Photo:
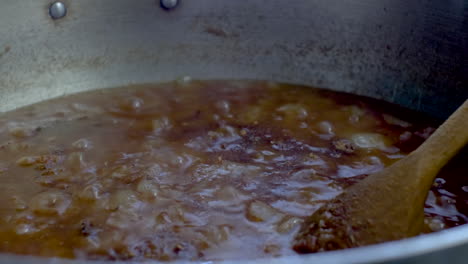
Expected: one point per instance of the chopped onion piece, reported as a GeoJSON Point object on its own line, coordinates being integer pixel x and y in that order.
{"type": "Point", "coordinates": [369, 141]}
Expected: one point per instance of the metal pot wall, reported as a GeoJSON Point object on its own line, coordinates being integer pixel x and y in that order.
{"type": "Point", "coordinates": [413, 53]}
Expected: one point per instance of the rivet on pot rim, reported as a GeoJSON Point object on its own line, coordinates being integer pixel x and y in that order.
{"type": "Point", "coordinates": [57, 10]}
{"type": "Point", "coordinates": [169, 4]}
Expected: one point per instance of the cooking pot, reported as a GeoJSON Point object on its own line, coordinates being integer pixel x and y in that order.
{"type": "Point", "coordinates": [413, 53]}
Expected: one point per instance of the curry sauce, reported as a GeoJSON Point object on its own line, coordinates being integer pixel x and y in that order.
{"type": "Point", "coordinates": [200, 170]}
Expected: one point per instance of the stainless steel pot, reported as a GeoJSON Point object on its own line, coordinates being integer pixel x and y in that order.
{"type": "Point", "coordinates": [409, 52]}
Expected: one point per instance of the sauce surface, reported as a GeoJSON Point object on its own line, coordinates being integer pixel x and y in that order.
{"type": "Point", "coordinates": [201, 170]}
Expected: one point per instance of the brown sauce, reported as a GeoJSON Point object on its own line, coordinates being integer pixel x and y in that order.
{"type": "Point", "coordinates": [201, 170]}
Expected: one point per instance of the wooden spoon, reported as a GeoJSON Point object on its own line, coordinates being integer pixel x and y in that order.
{"type": "Point", "coordinates": [387, 205]}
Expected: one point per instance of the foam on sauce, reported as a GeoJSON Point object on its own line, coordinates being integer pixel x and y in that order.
{"type": "Point", "coordinates": [202, 170]}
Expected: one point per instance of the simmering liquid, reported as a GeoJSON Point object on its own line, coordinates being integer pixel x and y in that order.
{"type": "Point", "coordinates": [199, 170]}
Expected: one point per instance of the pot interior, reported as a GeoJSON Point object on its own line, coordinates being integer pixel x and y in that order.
{"type": "Point", "coordinates": [407, 52]}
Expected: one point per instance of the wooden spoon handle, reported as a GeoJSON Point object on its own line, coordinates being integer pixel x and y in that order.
{"type": "Point", "coordinates": [446, 141]}
{"type": "Point", "coordinates": [387, 205]}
